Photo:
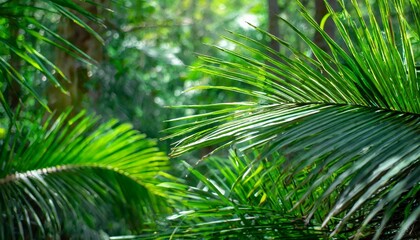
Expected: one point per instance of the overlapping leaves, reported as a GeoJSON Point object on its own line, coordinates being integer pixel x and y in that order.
{"type": "Point", "coordinates": [74, 177]}
{"type": "Point", "coordinates": [233, 201]}
{"type": "Point", "coordinates": [348, 117]}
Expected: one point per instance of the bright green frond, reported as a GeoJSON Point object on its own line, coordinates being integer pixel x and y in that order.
{"type": "Point", "coordinates": [74, 175]}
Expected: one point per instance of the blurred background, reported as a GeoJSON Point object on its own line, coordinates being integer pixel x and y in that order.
{"type": "Point", "coordinates": [145, 56]}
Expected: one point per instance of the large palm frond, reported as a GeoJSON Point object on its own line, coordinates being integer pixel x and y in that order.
{"type": "Point", "coordinates": [348, 118]}
{"type": "Point", "coordinates": [74, 177]}
{"type": "Point", "coordinates": [23, 23]}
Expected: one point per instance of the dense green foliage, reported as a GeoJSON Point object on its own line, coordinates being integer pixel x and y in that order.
{"type": "Point", "coordinates": [317, 140]}
{"type": "Point", "coordinates": [66, 177]}
{"type": "Point", "coordinates": [345, 123]}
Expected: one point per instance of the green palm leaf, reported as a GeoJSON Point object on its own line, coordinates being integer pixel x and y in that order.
{"type": "Point", "coordinates": [348, 119]}
{"type": "Point", "coordinates": [69, 178]}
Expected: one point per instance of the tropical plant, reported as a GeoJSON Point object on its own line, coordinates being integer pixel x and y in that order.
{"type": "Point", "coordinates": [74, 178]}
{"type": "Point", "coordinates": [335, 134]}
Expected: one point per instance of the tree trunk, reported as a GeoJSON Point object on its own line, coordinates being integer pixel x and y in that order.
{"type": "Point", "coordinates": [13, 88]}
{"type": "Point", "coordinates": [273, 23]}
{"type": "Point", "coordinates": [77, 72]}
{"type": "Point", "coordinates": [329, 27]}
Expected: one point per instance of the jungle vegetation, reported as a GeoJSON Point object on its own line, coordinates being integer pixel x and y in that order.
{"type": "Point", "coordinates": [144, 120]}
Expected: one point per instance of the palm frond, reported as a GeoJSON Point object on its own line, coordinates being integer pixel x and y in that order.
{"type": "Point", "coordinates": [349, 119]}
{"type": "Point", "coordinates": [65, 177]}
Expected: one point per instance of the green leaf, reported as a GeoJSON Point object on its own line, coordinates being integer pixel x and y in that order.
{"type": "Point", "coordinates": [73, 174]}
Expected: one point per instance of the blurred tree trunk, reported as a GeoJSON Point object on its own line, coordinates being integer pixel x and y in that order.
{"type": "Point", "coordinates": [13, 89]}
{"type": "Point", "coordinates": [76, 71]}
{"type": "Point", "coordinates": [273, 23]}
{"type": "Point", "coordinates": [329, 27]}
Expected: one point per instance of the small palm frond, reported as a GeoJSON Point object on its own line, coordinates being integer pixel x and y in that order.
{"type": "Point", "coordinates": [23, 24]}
{"type": "Point", "coordinates": [347, 118]}
{"type": "Point", "coordinates": [67, 177]}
